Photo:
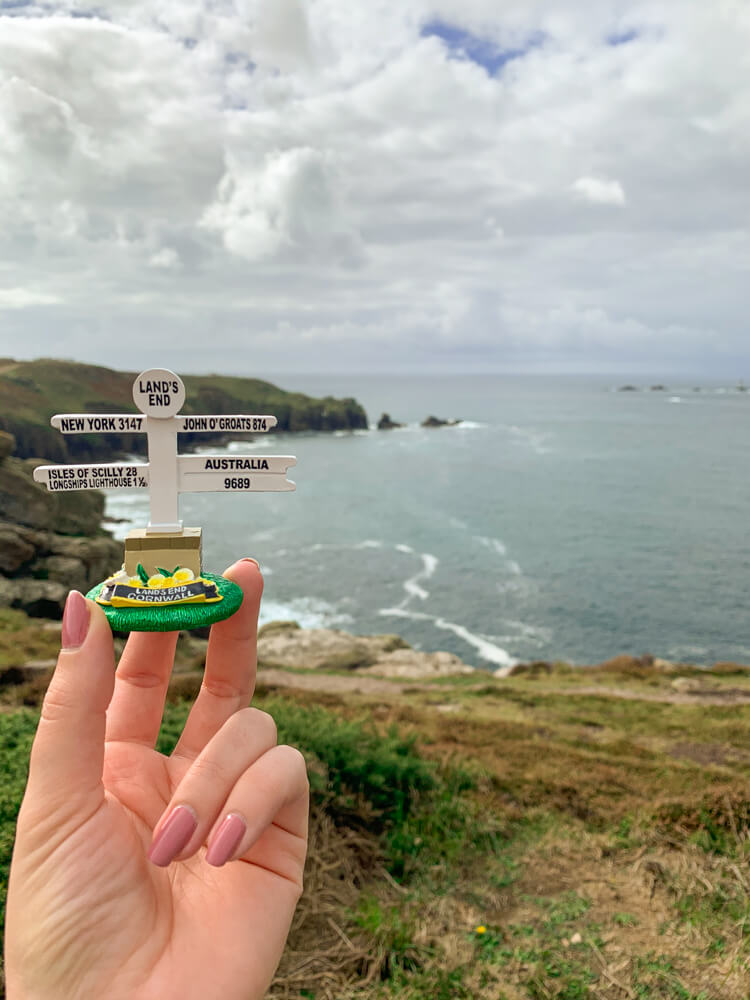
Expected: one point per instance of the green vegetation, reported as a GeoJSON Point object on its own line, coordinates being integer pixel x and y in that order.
{"type": "Point", "coordinates": [16, 734]}
{"type": "Point", "coordinates": [32, 391]}
{"type": "Point", "coordinates": [537, 842]}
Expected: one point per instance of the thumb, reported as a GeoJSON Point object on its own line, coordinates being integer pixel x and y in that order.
{"type": "Point", "coordinates": [67, 757]}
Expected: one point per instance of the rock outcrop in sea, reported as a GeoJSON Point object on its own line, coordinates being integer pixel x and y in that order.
{"type": "Point", "coordinates": [438, 422]}
{"type": "Point", "coordinates": [386, 424]}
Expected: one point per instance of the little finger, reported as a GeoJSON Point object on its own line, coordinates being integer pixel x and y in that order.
{"type": "Point", "coordinates": [271, 796]}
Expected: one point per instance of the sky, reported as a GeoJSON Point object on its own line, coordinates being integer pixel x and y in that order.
{"type": "Point", "coordinates": [401, 186]}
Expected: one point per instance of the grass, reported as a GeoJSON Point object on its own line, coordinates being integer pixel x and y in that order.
{"type": "Point", "coordinates": [540, 841]}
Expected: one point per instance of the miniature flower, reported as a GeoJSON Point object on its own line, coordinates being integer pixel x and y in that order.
{"type": "Point", "coordinates": [135, 581]}
{"type": "Point", "coordinates": [157, 580]}
{"type": "Point", "coordinates": [183, 576]}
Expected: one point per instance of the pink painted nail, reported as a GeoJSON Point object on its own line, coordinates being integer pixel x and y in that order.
{"type": "Point", "coordinates": [249, 559]}
{"type": "Point", "coordinates": [226, 840]}
{"type": "Point", "coordinates": [179, 827]}
{"type": "Point", "coordinates": [75, 623]}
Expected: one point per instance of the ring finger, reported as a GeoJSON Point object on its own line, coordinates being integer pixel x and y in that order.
{"type": "Point", "coordinates": [206, 785]}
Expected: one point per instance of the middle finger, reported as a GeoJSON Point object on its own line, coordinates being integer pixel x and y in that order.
{"type": "Point", "coordinates": [141, 683]}
{"type": "Point", "coordinates": [231, 661]}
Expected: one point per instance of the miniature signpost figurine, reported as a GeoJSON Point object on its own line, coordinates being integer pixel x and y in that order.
{"type": "Point", "coordinates": [162, 585]}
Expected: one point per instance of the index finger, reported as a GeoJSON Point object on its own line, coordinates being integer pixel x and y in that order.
{"type": "Point", "coordinates": [231, 664]}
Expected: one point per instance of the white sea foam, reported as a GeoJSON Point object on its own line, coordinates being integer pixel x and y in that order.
{"type": "Point", "coordinates": [414, 590]}
{"type": "Point", "coordinates": [412, 586]}
{"type": "Point", "coordinates": [369, 543]}
{"type": "Point", "coordinates": [530, 436]}
{"type": "Point", "coordinates": [310, 612]}
{"type": "Point", "coordinates": [675, 399]}
{"type": "Point", "coordinates": [486, 649]}
{"type": "Point", "coordinates": [127, 511]}
{"type": "Point", "coordinates": [537, 634]}
{"type": "Point", "coordinates": [686, 652]}
{"type": "Point", "coordinates": [492, 543]}
{"type": "Point", "coordinates": [265, 535]}
{"type": "Point", "coordinates": [116, 497]}
{"type": "Point", "coordinates": [402, 612]}
{"type": "Point", "coordinates": [469, 425]}
{"type": "Point", "coordinates": [404, 548]}
{"type": "Point", "coordinates": [495, 545]}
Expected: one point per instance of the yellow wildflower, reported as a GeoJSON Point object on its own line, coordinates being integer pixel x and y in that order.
{"type": "Point", "coordinates": [481, 929]}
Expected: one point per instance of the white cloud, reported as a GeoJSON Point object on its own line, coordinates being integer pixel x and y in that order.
{"type": "Point", "coordinates": [167, 259]}
{"type": "Point", "coordinates": [331, 188]}
{"type": "Point", "coordinates": [22, 298]}
{"type": "Point", "coordinates": [599, 191]}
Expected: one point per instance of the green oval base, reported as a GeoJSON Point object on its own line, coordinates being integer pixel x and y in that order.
{"type": "Point", "coordinates": [177, 617]}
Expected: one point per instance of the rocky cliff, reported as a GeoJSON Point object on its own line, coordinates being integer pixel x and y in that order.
{"type": "Point", "coordinates": [49, 542]}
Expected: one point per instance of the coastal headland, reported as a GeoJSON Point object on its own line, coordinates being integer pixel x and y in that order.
{"type": "Point", "coordinates": [32, 391]}
{"type": "Point", "coordinates": [555, 832]}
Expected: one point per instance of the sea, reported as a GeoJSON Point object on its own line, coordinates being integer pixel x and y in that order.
{"type": "Point", "coordinates": [561, 519]}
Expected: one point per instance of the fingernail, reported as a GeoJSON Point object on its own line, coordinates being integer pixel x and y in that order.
{"type": "Point", "coordinates": [75, 623]}
{"type": "Point", "coordinates": [177, 830]}
{"type": "Point", "coordinates": [254, 561]}
{"type": "Point", "coordinates": [226, 840]}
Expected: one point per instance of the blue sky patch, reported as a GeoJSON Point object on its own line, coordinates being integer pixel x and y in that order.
{"type": "Point", "coordinates": [482, 51]}
{"type": "Point", "coordinates": [622, 37]}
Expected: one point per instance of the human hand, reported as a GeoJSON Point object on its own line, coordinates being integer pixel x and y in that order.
{"type": "Point", "coordinates": [95, 909]}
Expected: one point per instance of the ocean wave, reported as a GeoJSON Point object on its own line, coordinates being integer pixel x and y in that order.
{"type": "Point", "coordinates": [538, 635]}
{"type": "Point", "coordinates": [412, 586]}
{"type": "Point", "coordinates": [402, 612]}
{"type": "Point", "coordinates": [492, 543]}
{"type": "Point", "coordinates": [369, 543]}
{"type": "Point", "coordinates": [536, 440]}
{"type": "Point", "coordinates": [486, 649]}
{"type": "Point", "coordinates": [309, 612]}
{"type": "Point", "coordinates": [495, 545]}
{"type": "Point", "coordinates": [116, 497]}
{"type": "Point", "coordinates": [686, 652]}
{"type": "Point", "coordinates": [264, 535]}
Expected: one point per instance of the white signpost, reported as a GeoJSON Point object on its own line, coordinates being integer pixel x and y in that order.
{"type": "Point", "coordinates": [159, 394]}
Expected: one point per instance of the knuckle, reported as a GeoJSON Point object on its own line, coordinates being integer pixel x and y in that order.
{"type": "Point", "coordinates": [261, 722]}
{"type": "Point", "coordinates": [207, 770]}
{"type": "Point", "coordinates": [295, 761]}
{"type": "Point", "coordinates": [57, 703]}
